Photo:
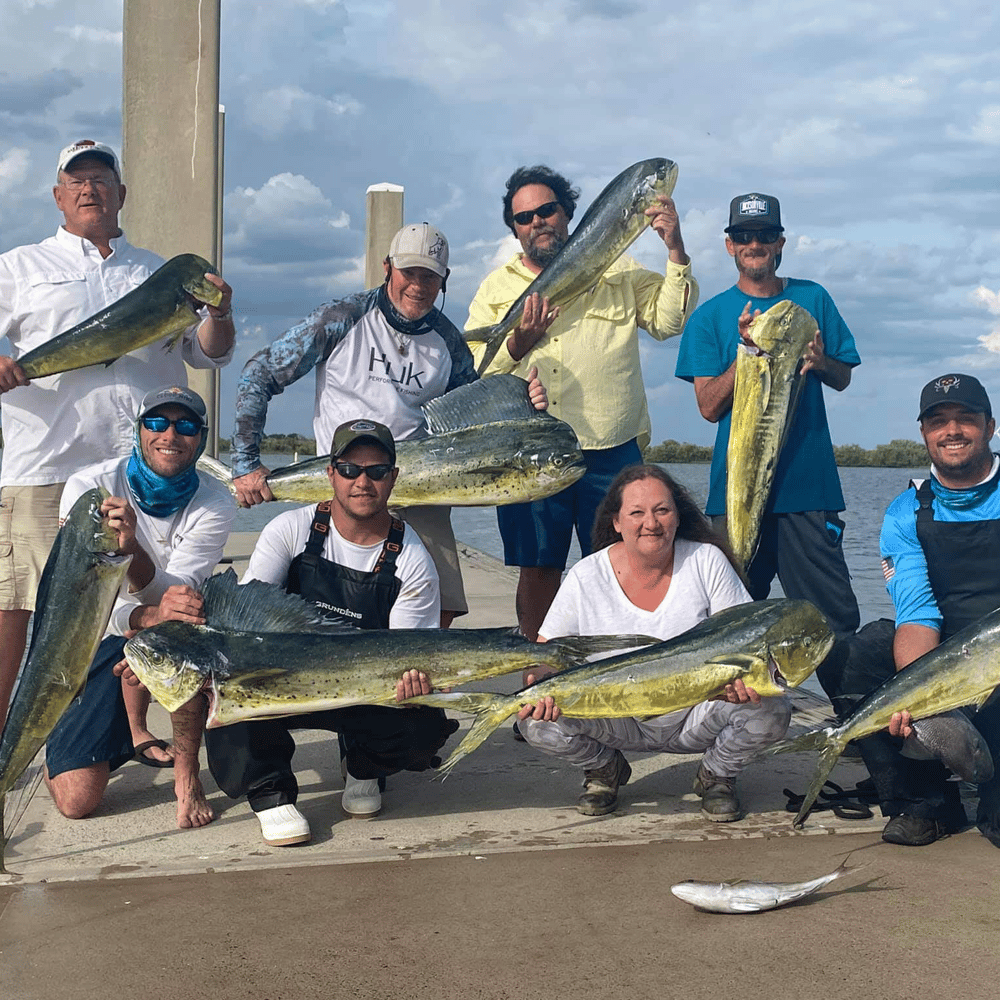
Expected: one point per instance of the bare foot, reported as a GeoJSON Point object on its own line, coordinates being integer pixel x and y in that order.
{"type": "Point", "coordinates": [192, 806]}
{"type": "Point", "coordinates": [140, 736]}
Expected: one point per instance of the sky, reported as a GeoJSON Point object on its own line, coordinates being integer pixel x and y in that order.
{"type": "Point", "coordinates": [876, 125]}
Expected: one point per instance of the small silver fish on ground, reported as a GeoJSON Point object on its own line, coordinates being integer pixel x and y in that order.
{"type": "Point", "coordinates": [752, 897]}
{"type": "Point", "coordinates": [952, 739]}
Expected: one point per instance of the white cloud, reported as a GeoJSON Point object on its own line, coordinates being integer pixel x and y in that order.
{"type": "Point", "coordinates": [289, 108]}
{"type": "Point", "coordinates": [14, 166]}
{"type": "Point", "coordinates": [87, 33]}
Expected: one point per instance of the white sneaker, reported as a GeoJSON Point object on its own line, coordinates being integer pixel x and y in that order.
{"type": "Point", "coordinates": [361, 798]}
{"type": "Point", "coordinates": [283, 825]}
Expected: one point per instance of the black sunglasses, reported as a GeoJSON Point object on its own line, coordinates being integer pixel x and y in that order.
{"type": "Point", "coordinates": [376, 473]}
{"type": "Point", "coordinates": [545, 211]}
{"type": "Point", "coordinates": [744, 237]}
{"type": "Point", "coordinates": [184, 426]}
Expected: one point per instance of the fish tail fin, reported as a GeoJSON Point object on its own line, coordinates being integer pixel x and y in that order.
{"type": "Point", "coordinates": [491, 711]}
{"type": "Point", "coordinates": [218, 470]}
{"type": "Point", "coordinates": [845, 869]}
{"type": "Point", "coordinates": [830, 750]}
{"type": "Point", "coordinates": [493, 337]}
{"type": "Point", "coordinates": [580, 648]}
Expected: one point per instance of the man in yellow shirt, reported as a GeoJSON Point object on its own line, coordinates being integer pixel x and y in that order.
{"type": "Point", "coordinates": [587, 353]}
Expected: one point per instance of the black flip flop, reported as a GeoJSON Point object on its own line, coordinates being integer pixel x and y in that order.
{"type": "Point", "coordinates": [141, 757]}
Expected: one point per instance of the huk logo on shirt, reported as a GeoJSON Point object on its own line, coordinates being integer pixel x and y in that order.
{"type": "Point", "coordinates": [406, 377]}
{"type": "Point", "coordinates": [753, 206]}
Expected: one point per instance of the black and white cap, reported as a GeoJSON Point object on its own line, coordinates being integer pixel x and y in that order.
{"type": "Point", "coordinates": [965, 390]}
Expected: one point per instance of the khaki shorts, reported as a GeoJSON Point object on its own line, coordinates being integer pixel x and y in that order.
{"type": "Point", "coordinates": [29, 522]}
{"type": "Point", "coordinates": [433, 525]}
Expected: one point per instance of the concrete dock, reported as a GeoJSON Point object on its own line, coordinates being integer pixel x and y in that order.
{"type": "Point", "coordinates": [488, 884]}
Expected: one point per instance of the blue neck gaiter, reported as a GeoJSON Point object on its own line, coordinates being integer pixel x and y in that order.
{"type": "Point", "coordinates": [968, 498]}
{"type": "Point", "coordinates": [156, 495]}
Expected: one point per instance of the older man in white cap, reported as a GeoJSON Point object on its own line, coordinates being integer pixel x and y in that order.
{"type": "Point", "coordinates": [378, 355]}
{"type": "Point", "coordinates": [58, 424]}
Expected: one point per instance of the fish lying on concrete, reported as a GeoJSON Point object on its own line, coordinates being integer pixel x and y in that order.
{"type": "Point", "coordinates": [75, 597]}
{"type": "Point", "coordinates": [264, 652]}
{"type": "Point", "coordinates": [964, 670]}
{"type": "Point", "coordinates": [162, 307]}
{"type": "Point", "coordinates": [752, 897]}
{"type": "Point", "coordinates": [770, 645]}
{"type": "Point", "coordinates": [952, 739]}
{"type": "Point", "coordinates": [768, 383]}
{"type": "Point", "coordinates": [488, 446]}
{"type": "Point", "coordinates": [610, 226]}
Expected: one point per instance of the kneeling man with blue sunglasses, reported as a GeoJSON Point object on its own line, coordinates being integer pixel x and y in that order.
{"type": "Point", "coordinates": [353, 559]}
{"type": "Point", "coordinates": [174, 523]}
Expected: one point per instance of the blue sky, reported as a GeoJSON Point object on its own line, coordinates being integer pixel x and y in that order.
{"type": "Point", "coordinates": [876, 125]}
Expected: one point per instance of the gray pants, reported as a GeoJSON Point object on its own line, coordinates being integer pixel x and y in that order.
{"type": "Point", "coordinates": [729, 734]}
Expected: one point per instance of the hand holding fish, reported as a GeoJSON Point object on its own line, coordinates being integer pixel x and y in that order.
{"type": "Point", "coordinates": [662, 215]}
{"type": "Point", "coordinates": [738, 693]}
{"type": "Point", "coordinates": [535, 320]}
{"type": "Point", "coordinates": [536, 391]}
{"type": "Point", "coordinates": [121, 520]}
{"type": "Point", "coordinates": [11, 374]}
{"type": "Point", "coordinates": [252, 488]}
{"type": "Point", "coordinates": [179, 603]}
{"type": "Point", "coordinates": [546, 709]}
{"type": "Point", "coordinates": [411, 684]}
{"type": "Point", "coordinates": [832, 372]}
{"type": "Point", "coordinates": [901, 724]}
{"type": "Point", "coordinates": [224, 309]}
{"type": "Point", "coordinates": [744, 323]}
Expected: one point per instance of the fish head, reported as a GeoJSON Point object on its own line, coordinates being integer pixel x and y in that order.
{"type": "Point", "coordinates": [691, 891]}
{"type": "Point", "coordinates": [784, 329]}
{"type": "Point", "coordinates": [549, 452]}
{"type": "Point", "coordinates": [194, 282]}
{"type": "Point", "coordinates": [88, 527]}
{"type": "Point", "coordinates": [174, 661]}
{"type": "Point", "coordinates": [796, 644]}
{"type": "Point", "coordinates": [652, 178]}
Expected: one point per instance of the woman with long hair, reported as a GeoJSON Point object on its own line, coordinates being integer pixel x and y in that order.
{"type": "Point", "coordinates": [657, 569]}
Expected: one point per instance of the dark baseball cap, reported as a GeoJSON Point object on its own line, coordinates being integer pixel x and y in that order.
{"type": "Point", "coordinates": [965, 390]}
{"type": "Point", "coordinates": [179, 395]}
{"type": "Point", "coordinates": [754, 211]}
{"type": "Point", "coordinates": [362, 430]}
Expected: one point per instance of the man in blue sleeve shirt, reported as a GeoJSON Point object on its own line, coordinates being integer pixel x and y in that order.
{"type": "Point", "coordinates": [801, 538]}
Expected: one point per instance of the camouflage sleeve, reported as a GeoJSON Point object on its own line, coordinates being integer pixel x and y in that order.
{"type": "Point", "coordinates": [270, 371]}
{"type": "Point", "coordinates": [463, 368]}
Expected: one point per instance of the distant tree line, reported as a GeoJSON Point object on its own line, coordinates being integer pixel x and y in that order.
{"type": "Point", "coordinates": [897, 454]}
{"type": "Point", "coordinates": [279, 444]}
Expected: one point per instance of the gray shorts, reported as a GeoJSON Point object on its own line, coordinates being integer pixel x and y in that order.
{"type": "Point", "coordinates": [29, 523]}
{"type": "Point", "coordinates": [433, 525]}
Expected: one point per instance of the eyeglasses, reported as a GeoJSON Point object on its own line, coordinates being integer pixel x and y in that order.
{"type": "Point", "coordinates": [184, 426]}
{"type": "Point", "coordinates": [79, 183]}
{"type": "Point", "coordinates": [744, 237]}
{"type": "Point", "coordinates": [545, 211]}
{"type": "Point", "coordinates": [376, 473]}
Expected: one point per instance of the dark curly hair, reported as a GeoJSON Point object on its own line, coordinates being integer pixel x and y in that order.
{"type": "Point", "coordinates": [565, 193]}
{"type": "Point", "coordinates": [693, 525]}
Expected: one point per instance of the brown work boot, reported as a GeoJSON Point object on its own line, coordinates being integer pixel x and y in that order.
{"type": "Point", "coordinates": [600, 795]}
{"type": "Point", "coordinates": [718, 796]}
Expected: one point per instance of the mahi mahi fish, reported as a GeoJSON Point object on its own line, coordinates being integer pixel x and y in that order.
{"type": "Point", "coordinates": [964, 670]}
{"type": "Point", "coordinates": [162, 307]}
{"type": "Point", "coordinates": [75, 596]}
{"type": "Point", "coordinates": [768, 382]}
{"type": "Point", "coordinates": [752, 897]}
{"type": "Point", "coordinates": [612, 223]}
{"type": "Point", "coordinates": [487, 446]}
{"type": "Point", "coordinates": [770, 645]}
{"type": "Point", "coordinates": [264, 652]}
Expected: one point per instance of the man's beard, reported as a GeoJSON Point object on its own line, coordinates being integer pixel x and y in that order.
{"type": "Point", "coordinates": [757, 273]}
{"type": "Point", "coordinates": [544, 255]}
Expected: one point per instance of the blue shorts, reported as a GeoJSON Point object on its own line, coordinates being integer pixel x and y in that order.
{"type": "Point", "coordinates": [540, 533]}
{"type": "Point", "coordinates": [95, 726]}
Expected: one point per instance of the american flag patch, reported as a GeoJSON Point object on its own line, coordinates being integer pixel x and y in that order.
{"type": "Point", "coordinates": [888, 568]}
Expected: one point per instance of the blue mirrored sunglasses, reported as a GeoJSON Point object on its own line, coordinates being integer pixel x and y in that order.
{"type": "Point", "coordinates": [184, 426]}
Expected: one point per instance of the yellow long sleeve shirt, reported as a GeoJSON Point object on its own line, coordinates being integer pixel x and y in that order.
{"type": "Point", "coordinates": [588, 358]}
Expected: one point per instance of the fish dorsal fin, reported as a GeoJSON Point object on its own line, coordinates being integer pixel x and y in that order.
{"type": "Point", "coordinates": [745, 662]}
{"type": "Point", "coordinates": [486, 401]}
{"type": "Point", "coordinates": [262, 607]}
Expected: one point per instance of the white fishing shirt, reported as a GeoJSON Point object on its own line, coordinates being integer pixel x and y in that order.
{"type": "Point", "coordinates": [418, 604]}
{"type": "Point", "coordinates": [184, 547]}
{"type": "Point", "coordinates": [61, 423]}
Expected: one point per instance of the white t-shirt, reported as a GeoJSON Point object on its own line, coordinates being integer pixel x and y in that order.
{"type": "Point", "coordinates": [590, 600]}
{"type": "Point", "coordinates": [184, 547]}
{"type": "Point", "coordinates": [418, 604]}
{"type": "Point", "coordinates": [62, 423]}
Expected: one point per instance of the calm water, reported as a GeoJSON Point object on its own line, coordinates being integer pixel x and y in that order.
{"type": "Point", "coordinates": [867, 493]}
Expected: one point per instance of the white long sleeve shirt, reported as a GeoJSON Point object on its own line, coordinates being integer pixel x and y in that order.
{"type": "Point", "coordinates": [61, 423]}
{"type": "Point", "coordinates": [184, 547]}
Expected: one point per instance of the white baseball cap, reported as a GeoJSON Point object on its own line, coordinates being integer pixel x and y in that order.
{"type": "Point", "coordinates": [87, 147]}
{"type": "Point", "coordinates": [420, 246]}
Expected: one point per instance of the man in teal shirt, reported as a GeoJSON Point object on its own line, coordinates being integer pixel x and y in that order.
{"type": "Point", "coordinates": [801, 538]}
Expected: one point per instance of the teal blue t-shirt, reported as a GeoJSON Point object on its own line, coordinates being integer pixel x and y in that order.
{"type": "Point", "coordinates": [806, 477]}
